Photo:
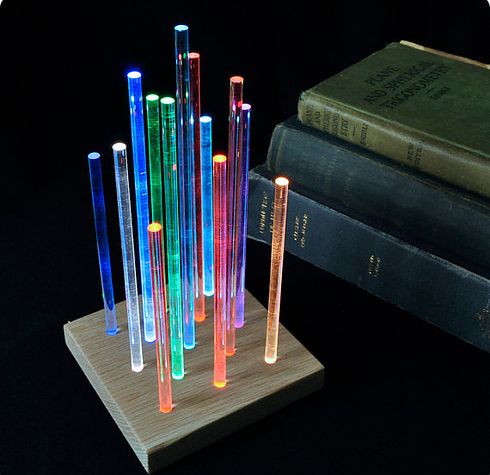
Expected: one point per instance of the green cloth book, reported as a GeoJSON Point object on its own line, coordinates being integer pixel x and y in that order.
{"type": "Point", "coordinates": [422, 109]}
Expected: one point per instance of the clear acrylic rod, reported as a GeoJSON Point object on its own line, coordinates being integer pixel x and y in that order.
{"type": "Point", "coordinates": [277, 253]}
{"type": "Point", "coordinates": [185, 150]}
{"type": "Point", "coordinates": [95, 169]}
{"type": "Point", "coordinates": [127, 246]}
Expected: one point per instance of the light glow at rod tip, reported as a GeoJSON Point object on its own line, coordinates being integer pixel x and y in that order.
{"type": "Point", "coordinates": [281, 181]}
{"type": "Point", "coordinates": [119, 147]}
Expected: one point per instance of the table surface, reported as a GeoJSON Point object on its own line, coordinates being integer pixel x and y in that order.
{"type": "Point", "coordinates": [400, 396]}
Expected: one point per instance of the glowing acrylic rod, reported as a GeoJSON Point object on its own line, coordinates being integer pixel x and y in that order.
{"type": "Point", "coordinates": [185, 150]}
{"type": "Point", "coordinates": [195, 100]}
{"type": "Point", "coordinates": [242, 213]}
{"type": "Point", "coordinates": [154, 156]}
{"type": "Point", "coordinates": [127, 245]}
{"type": "Point", "coordinates": [278, 237]}
{"type": "Point", "coordinates": [161, 319]}
{"type": "Point", "coordinates": [167, 109]}
{"type": "Point", "coordinates": [102, 242]}
{"type": "Point", "coordinates": [235, 105]}
{"type": "Point", "coordinates": [141, 190]}
{"type": "Point", "coordinates": [207, 203]}
{"type": "Point", "coordinates": [220, 252]}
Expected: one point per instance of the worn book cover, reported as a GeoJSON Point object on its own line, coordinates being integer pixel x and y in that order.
{"type": "Point", "coordinates": [419, 108]}
{"type": "Point", "coordinates": [361, 252]}
{"type": "Point", "coordinates": [412, 205]}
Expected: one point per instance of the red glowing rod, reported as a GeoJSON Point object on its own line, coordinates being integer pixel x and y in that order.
{"type": "Point", "coordinates": [195, 102]}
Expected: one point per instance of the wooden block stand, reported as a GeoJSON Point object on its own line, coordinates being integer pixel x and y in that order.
{"type": "Point", "coordinates": [202, 413]}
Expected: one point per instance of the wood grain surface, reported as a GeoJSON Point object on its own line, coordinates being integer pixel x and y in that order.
{"type": "Point", "coordinates": [202, 413]}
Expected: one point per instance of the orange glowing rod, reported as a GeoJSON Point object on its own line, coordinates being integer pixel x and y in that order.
{"type": "Point", "coordinates": [160, 314]}
{"type": "Point", "coordinates": [278, 238]}
{"type": "Point", "coordinates": [220, 269]}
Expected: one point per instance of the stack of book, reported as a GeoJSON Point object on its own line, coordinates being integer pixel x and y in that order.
{"type": "Point", "coordinates": [389, 164]}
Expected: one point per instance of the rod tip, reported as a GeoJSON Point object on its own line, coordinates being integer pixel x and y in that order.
{"type": "Point", "coordinates": [154, 227]}
{"type": "Point", "coordinates": [119, 147]}
{"type": "Point", "coordinates": [270, 360]}
{"type": "Point", "coordinates": [281, 181]}
{"type": "Point", "coordinates": [134, 75]}
{"type": "Point", "coordinates": [219, 158]}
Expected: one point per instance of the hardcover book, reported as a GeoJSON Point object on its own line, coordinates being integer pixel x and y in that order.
{"type": "Point", "coordinates": [422, 109]}
{"type": "Point", "coordinates": [434, 289]}
{"type": "Point", "coordinates": [410, 204]}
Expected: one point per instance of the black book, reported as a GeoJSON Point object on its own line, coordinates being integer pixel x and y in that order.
{"type": "Point", "coordinates": [359, 251]}
{"type": "Point", "coordinates": [411, 205]}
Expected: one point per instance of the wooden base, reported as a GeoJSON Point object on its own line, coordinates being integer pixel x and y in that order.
{"type": "Point", "coordinates": [202, 413]}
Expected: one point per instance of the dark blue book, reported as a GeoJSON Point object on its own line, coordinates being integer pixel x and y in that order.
{"type": "Point", "coordinates": [409, 204]}
{"type": "Point", "coordinates": [363, 253]}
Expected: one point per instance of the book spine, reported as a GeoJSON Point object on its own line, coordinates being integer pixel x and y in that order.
{"type": "Point", "coordinates": [447, 161]}
{"type": "Point", "coordinates": [414, 280]}
{"type": "Point", "coordinates": [415, 208]}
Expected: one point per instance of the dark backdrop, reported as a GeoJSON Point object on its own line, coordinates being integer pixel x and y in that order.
{"type": "Point", "coordinates": [400, 396]}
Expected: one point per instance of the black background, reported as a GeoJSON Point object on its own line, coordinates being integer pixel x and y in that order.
{"type": "Point", "coordinates": [400, 396]}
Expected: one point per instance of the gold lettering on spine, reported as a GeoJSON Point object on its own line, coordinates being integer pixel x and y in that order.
{"type": "Point", "coordinates": [264, 204]}
{"type": "Point", "coordinates": [374, 265]}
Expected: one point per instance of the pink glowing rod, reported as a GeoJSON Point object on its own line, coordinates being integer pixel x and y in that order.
{"type": "Point", "coordinates": [241, 213]}
{"type": "Point", "coordinates": [161, 317]}
{"type": "Point", "coordinates": [278, 238]}
{"type": "Point", "coordinates": [220, 269]}
{"type": "Point", "coordinates": [235, 106]}
{"type": "Point", "coordinates": [195, 102]}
